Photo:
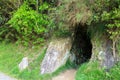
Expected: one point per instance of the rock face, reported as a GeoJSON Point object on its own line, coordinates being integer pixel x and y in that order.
{"type": "Point", "coordinates": [57, 54]}
{"type": "Point", "coordinates": [102, 51]}
{"type": "Point", "coordinates": [23, 64]}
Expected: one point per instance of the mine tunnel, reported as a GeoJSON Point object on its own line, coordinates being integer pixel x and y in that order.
{"type": "Point", "coordinates": [81, 45]}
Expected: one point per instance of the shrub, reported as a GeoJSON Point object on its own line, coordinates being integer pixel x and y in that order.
{"type": "Point", "coordinates": [30, 25]}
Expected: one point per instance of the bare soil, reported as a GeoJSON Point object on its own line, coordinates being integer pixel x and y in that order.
{"type": "Point", "coordinates": [67, 75]}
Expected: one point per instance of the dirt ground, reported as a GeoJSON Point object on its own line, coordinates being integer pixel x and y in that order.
{"type": "Point", "coordinates": [67, 75]}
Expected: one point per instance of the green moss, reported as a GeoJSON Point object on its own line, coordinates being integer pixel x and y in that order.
{"type": "Point", "coordinates": [62, 33]}
{"type": "Point", "coordinates": [96, 30]}
{"type": "Point", "coordinates": [118, 47]}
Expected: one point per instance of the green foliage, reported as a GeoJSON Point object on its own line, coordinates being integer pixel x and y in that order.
{"type": "Point", "coordinates": [108, 12]}
{"type": "Point", "coordinates": [91, 71]}
{"type": "Point", "coordinates": [6, 8]}
{"type": "Point", "coordinates": [44, 6]}
{"type": "Point", "coordinates": [30, 25]}
{"type": "Point", "coordinates": [118, 47]}
{"type": "Point", "coordinates": [113, 22]}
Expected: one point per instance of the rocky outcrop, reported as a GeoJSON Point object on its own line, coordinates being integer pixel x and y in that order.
{"type": "Point", "coordinates": [102, 51]}
{"type": "Point", "coordinates": [57, 54]}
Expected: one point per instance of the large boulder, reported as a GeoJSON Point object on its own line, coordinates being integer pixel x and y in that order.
{"type": "Point", "coordinates": [57, 54]}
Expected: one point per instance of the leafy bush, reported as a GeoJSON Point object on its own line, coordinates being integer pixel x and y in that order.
{"type": "Point", "coordinates": [30, 25]}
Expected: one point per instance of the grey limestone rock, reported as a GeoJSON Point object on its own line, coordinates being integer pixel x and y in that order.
{"type": "Point", "coordinates": [56, 55]}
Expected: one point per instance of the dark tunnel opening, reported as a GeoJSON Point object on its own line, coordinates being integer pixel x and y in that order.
{"type": "Point", "coordinates": [82, 46]}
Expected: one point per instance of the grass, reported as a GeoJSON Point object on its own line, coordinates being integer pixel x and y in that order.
{"type": "Point", "coordinates": [11, 55]}
{"type": "Point", "coordinates": [91, 71]}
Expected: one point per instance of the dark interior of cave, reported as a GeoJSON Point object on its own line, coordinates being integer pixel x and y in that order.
{"type": "Point", "coordinates": [82, 46]}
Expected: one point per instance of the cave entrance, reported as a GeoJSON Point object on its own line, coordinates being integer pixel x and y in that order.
{"type": "Point", "coordinates": [82, 46]}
